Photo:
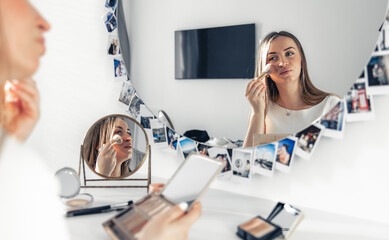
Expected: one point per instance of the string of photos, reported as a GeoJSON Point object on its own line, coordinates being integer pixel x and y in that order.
{"type": "Point", "coordinates": [279, 155]}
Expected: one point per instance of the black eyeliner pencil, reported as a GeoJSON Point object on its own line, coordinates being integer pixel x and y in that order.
{"type": "Point", "coordinates": [102, 209]}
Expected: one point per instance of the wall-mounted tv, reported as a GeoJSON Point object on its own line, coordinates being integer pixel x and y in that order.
{"type": "Point", "coordinates": [220, 52]}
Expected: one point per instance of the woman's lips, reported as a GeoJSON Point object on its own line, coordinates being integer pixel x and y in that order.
{"type": "Point", "coordinates": [285, 72]}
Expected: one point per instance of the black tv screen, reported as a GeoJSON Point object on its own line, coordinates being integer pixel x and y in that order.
{"type": "Point", "coordinates": [220, 52]}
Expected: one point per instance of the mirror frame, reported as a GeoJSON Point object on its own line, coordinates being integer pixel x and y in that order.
{"type": "Point", "coordinates": [105, 178]}
{"type": "Point", "coordinates": [123, 35]}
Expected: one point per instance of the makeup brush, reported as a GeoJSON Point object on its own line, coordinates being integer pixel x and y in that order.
{"type": "Point", "coordinates": [265, 72]}
{"type": "Point", "coordinates": [116, 140]}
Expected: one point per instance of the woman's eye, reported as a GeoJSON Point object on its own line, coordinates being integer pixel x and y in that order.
{"type": "Point", "coordinates": [289, 53]}
{"type": "Point", "coordinates": [118, 132]}
{"type": "Point", "coordinates": [272, 59]}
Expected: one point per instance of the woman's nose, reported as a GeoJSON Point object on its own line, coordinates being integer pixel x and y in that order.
{"type": "Point", "coordinates": [283, 61]}
{"type": "Point", "coordinates": [127, 137]}
{"type": "Point", "coordinates": [42, 24]}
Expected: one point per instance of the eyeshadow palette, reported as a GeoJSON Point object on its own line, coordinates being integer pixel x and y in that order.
{"type": "Point", "coordinates": [258, 229]}
{"type": "Point", "coordinates": [129, 223]}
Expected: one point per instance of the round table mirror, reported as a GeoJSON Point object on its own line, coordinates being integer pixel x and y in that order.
{"type": "Point", "coordinates": [115, 147]}
{"type": "Point", "coordinates": [337, 37]}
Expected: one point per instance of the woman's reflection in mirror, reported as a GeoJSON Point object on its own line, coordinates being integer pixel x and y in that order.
{"type": "Point", "coordinates": [109, 148]}
{"type": "Point", "coordinates": [286, 101]}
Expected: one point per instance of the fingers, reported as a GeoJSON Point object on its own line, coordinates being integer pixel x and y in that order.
{"type": "Point", "coordinates": [190, 217]}
{"type": "Point", "coordinates": [156, 187]}
{"type": "Point", "coordinates": [26, 92]}
{"type": "Point", "coordinates": [255, 89]}
{"type": "Point", "coordinates": [108, 151]}
{"type": "Point", "coordinates": [254, 85]}
{"type": "Point", "coordinates": [173, 213]}
{"type": "Point", "coordinates": [28, 104]}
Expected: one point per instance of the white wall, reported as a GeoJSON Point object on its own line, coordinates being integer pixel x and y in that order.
{"type": "Point", "coordinates": [77, 87]}
{"type": "Point", "coordinates": [337, 37]}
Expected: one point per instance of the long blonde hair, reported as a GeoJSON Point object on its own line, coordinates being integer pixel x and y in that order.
{"type": "Point", "coordinates": [100, 133]}
{"type": "Point", "coordinates": [309, 93]}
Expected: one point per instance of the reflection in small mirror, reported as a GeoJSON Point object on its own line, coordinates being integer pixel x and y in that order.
{"type": "Point", "coordinates": [115, 146]}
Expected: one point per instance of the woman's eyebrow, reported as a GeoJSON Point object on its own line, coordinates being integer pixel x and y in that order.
{"type": "Point", "coordinates": [286, 49]}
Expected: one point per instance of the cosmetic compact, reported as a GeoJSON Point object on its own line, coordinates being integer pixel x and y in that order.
{"type": "Point", "coordinates": [69, 189]}
{"type": "Point", "coordinates": [286, 216]}
{"type": "Point", "coordinates": [187, 185]}
{"type": "Point", "coordinates": [258, 229]}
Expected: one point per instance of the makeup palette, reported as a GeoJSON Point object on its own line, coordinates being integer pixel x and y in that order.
{"type": "Point", "coordinates": [188, 183]}
{"type": "Point", "coordinates": [258, 229]}
{"type": "Point", "coordinates": [127, 224]}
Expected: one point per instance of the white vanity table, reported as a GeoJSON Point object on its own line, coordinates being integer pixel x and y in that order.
{"type": "Point", "coordinates": [224, 211]}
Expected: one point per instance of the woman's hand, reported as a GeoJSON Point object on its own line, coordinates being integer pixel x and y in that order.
{"type": "Point", "coordinates": [106, 160]}
{"type": "Point", "coordinates": [21, 107]}
{"type": "Point", "coordinates": [256, 95]}
{"type": "Point", "coordinates": [173, 224]}
{"type": "Point", "coordinates": [156, 187]}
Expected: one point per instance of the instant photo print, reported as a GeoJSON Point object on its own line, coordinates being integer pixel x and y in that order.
{"type": "Point", "coordinates": [203, 149]}
{"type": "Point", "coordinates": [285, 153]}
{"type": "Point", "coordinates": [360, 106]}
{"type": "Point", "coordinates": [135, 105]}
{"type": "Point", "coordinates": [221, 154]}
{"type": "Point", "coordinates": [334, 121]}
{"type": "Point", "coordinates": [264, 159]}
{"type": "Point", "coordinates": [287, 217]}
{"type": "Point", "coordinates": [158, 132]}
{"type": "Point", "coordinates": [113, 45]}
{"type": "Point", "coordinates": [187, 146]}
{"type": "Point", "coordinates": [119, 67]}
{"type": "Point", "coordinates": [129, 223]}
{"type": "Point", "coordinates": [126, 93]}
{"type": "Point", "coordinates": [110, 22]}
{"type": "Point", "coordinates": [172, 138]}
{"type": "Point", "coordinates": [378, 74]}
{"type": "Point", "coordinates": [308, 139]}
{"type": "Point", "coordinates": [241, 164]}
{"type": "Point", "coordinates": [111, 4]}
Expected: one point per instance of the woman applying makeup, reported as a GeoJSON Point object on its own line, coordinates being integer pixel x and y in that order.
{"type": "Point", "coordinates": [109, 149]}
{"type": "Point", "coordinates": [29, 203]}
{"type": "Point", "coordinates": [286, 101]}
{"type": "Point", "coordinates": [29, 207]}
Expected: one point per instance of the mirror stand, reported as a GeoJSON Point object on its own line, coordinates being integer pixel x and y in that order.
{"type": "Point", "coordinates": [111, 183]}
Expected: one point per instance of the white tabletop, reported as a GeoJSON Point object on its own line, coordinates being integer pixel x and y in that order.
{"type": "Point", "coordinates": [224, 211]}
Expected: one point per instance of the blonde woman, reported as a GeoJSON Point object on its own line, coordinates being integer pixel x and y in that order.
{"type": "Point", "coordinates": [286, 101]}
{"type": "Point", "coordinates": [108, 148]}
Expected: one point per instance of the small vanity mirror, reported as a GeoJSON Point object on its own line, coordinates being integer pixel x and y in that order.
{"type": "Point", "coordinates": [114, 148]}
{"type": "Point", "coordinates": [69, 189]}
